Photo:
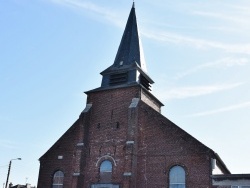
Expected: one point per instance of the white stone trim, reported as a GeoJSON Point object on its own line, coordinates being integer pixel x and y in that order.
{"type": "Point", "coordinates": [127, 174]}
{"type": "Point", "coordinates": [87, 108]}
{"type": "Point", "coordinates": [130, 142]}
{"type": "Point", "coordinates": [80, 144]}
{"type": "Point", "coordinates": [105, 157]}
{"type": "Point", "coordinates": [134, 103]}
{"type": "Point", "coordinates": [76, 174]}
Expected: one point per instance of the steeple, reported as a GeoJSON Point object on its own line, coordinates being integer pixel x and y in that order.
{"type": "Point", "coordinates": [130, 49]}
{"type": "Point", "coordinates": [129, 67]}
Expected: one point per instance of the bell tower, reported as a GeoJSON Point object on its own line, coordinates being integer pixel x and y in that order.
{"type": "Point", "coordinates": [129, 67]}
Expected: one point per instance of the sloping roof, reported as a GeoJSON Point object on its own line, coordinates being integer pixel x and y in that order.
{"type": "Point", "coordinates": [221, 177]}
{"type": "Point", "coordinates": [130, 49]}
{"type": "Point", "coordinates": [186, 136]}
{"type": "Point", "coordinates": [221, 164]}
{"type": "Point", "coordinates": [129, 66]}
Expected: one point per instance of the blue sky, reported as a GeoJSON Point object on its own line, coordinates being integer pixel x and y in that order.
{"type": "Point", "coordinates": [51, 51]}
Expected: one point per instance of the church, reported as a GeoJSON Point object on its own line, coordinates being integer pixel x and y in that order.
{"type": "Point", "coordinates": [121, 139]}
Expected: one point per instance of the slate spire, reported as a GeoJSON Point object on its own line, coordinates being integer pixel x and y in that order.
{"type": "Point", "coordinates": [129, 66]}
{"type": "Point", "coordinates": [130, 49]}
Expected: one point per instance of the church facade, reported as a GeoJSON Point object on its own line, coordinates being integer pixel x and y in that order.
{"type": "Point", "coordinates": [121, 139]}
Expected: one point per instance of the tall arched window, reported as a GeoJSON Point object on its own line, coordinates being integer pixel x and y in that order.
{"type": "Point", "coordinates": [177, 177]}
{"type": "Point", "coordinates": [58, 179]}
{"type": "Point", "coordinates": [106, 171]}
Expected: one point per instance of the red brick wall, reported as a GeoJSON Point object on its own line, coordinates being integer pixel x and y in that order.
{"type": "Point", "coordinates": [162, 145]}
{"type": "Point", "coordinates": [49, 163]}
{"type": "Point", "coordinates": [149, 100]}
{"type": "Point", "coordinates": [109, 110]}
{"type": "Point", "coordinates": [105, 129]}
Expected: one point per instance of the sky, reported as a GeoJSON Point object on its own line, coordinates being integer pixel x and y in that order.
{"type": "Point", "coordinates": [51, 51]}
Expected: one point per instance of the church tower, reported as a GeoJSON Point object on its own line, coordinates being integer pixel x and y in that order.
{"type": "Point", "coordinates": [121, 139]}
{"type": "Point", "coordinates": [129, 67]}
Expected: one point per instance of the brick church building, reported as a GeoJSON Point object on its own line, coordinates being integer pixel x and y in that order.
{"type": "Point", "coordinates": [121, 139]}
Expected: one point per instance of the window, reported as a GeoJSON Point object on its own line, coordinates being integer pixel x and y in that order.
{"type": "Point", "coordinates": [58, 179]}
{"type": "Point", "coordinates": [106, 171]}
{"type": "Point", "coordinates": [177, 177]}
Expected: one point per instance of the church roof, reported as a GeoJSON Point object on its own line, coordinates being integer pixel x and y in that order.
{"type": "Point", "coordinates": [129, 67]}
{"type": "Point", "coordinates": [130, 49]}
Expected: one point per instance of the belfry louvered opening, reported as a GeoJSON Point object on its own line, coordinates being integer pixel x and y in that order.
{"type": "Point", "coordinates": [144, 82]}
{"type": "Point", "coordinates": [116, 79]}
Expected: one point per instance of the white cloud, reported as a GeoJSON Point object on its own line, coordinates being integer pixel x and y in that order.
{"type": "Point", "coordinates": [177, 39]}
{"type": "Point", "coordinates": [221, 63]}
{"type": "Point", "coordinates": [104, 13]}
{"type": "Point", "coordinates": [115, 18]}
{"type": "Point", "coordinates": [220, 110]}
{"type": "Point", "coordinates": [237, 18]}
{"type": "Point", "coordinates": [187, 92]}
{"type": "Point", "coordinates": [82, 4]}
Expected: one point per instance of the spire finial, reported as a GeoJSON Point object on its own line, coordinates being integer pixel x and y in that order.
{"type": "Point", "coordinates": [133, 6]}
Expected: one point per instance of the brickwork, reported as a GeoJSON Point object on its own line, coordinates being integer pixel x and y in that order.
{"type": "Point", "coordinates": [141, 144]}
{"type": "Point", "coordinates": [108, 131]}
{"type": "Point", "coordinates": [162, 145]}
{"type": "Point", "coordinates": [150, 100]}
{"type": "Point", "coordinates": [49, 163]}
{"type": "Point", "coordinates": [72, 150]}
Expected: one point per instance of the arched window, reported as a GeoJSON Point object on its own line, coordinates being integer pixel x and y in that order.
{"type": "Point", "coordinates": [177, 177]}
{"type": "Point", "coordinates": [58, 179]}
{"type": "Point", "coordinates": [106, 171]}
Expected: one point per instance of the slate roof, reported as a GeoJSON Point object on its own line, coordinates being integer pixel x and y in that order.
{"type": "Point", "coordinates": [129, 67]}
{"type": "Point", "coordinates": [130, 49]}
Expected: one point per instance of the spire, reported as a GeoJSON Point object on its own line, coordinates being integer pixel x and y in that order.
{"type": "Point", "coordinates": [129, 66]}
{"type": "Point", "coordinates": [130, 49]}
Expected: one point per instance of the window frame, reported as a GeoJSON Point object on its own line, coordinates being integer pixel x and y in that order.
{"type": "Point", "coordinates": [106, 171]}
{"type": "Point", "coordinates": [182, 174]}
{"type": "Point", "coordinates": [110, 168]}
{"type": "Point", "coordinates": [58, 178]}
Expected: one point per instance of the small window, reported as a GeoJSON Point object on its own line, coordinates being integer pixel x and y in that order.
{"type": "Point", "coordinates": [177, 177]}
{"type": "Point", "coordinates": [106, 171]}
{"type": "Point", "coordinates": [58, 179]}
